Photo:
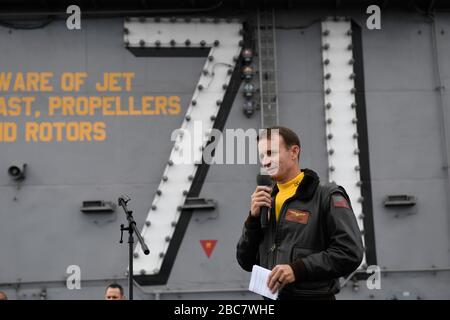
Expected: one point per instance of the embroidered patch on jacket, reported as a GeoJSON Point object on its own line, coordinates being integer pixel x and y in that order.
{"type": "Point", "coordinates": [340, 201]}
{"type": "Point", "coordinates": [298, 216]}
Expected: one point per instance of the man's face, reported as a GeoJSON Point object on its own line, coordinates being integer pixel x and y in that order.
{"type": "Point", "coordinates": [275, 158]}
{"type": "Point", "coordinates": [113, 294]}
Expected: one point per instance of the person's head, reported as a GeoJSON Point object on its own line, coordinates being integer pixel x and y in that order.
{"type": "Point", "coordinates": [114, 292]}
{"type": "Point", "coordinates": [3, 296]}
{"type": "Point", "coordinates": [279, 152]}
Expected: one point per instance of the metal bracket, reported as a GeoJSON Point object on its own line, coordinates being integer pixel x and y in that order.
{"type": "Point", "coordinates": [97, 206]}
{"type": "Point", "coordinates": [199, 204]}
{"type": "Point", "coordinates": [401, 200]}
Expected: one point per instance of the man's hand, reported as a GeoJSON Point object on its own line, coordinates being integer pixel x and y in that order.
{"type": "Point", "coordinates": [281, 275]}
{"type": "Point", "coordinates": [260, 198]}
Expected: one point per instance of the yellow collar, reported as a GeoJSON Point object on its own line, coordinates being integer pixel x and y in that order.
{"type": "Point", "coordinates": [296, 181]}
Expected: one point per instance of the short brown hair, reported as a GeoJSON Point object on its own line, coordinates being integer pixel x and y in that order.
{"type": "Point", "coordinates": [115, 286]}
{"type": "Point", "coordinates": [290, 138]}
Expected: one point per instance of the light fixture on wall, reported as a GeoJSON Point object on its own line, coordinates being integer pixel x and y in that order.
{"type": "Point", "coordinates": [16, 173]}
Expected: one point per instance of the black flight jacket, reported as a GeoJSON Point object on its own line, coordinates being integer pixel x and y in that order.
{"type": "Point", "coordinates": [316, 234]}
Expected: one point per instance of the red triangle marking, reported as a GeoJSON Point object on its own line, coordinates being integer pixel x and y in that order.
{"type": "Point", "coordinates": [208, 246]}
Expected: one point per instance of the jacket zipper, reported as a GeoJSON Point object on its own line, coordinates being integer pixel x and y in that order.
{"type": "Point", "coordinates": [276, 242]}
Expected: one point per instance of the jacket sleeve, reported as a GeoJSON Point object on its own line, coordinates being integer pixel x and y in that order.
{"type": "Point", "coordinates": [345, 248]}
{"type": "Point", "coordinates": [248, 245]}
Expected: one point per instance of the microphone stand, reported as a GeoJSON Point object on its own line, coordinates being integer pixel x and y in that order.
{"type": "Point", "coordinates": [131, 228]}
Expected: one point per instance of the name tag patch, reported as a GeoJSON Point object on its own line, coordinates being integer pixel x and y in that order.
{"type": "Point", "coordinates": [298, 216]}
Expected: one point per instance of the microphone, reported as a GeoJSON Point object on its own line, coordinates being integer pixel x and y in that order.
{"type": "Point", "coordinates": [264, 180]}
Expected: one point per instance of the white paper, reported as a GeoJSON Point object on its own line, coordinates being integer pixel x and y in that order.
{"type": "Point", "coordinates": [258, 283]}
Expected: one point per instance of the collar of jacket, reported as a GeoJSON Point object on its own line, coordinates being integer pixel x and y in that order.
{"type": "Point", "coordinates": [306, 188]}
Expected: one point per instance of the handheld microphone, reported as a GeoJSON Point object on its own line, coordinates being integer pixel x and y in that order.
{"type": "Point", "coordinates": [264, 180]}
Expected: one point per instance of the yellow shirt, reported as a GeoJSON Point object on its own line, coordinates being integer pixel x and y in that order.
{"type": "Point", "coordinates": [285, 191]}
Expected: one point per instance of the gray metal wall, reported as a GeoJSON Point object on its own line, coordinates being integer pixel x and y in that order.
{"type": "Point", "coordinates": [43, 231]}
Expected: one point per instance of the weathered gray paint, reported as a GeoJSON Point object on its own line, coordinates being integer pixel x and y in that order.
{"type": "Point", "coordinates": [43, 231]}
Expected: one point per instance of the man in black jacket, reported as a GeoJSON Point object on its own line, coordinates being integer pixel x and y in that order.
{"type": "Point", "coordinates": [312, 237]}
